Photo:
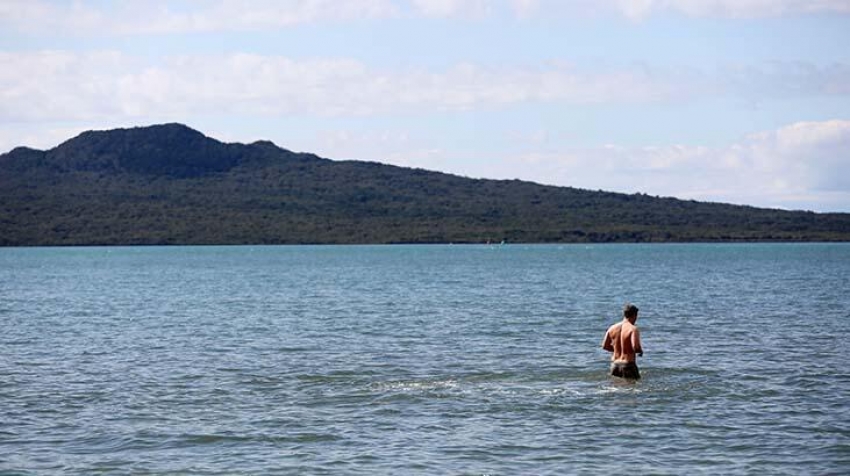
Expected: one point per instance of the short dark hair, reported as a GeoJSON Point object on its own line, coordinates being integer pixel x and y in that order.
{"type": "Point", "coordinates": [630, 310]}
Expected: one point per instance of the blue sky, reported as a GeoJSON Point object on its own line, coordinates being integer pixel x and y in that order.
{"type": "Point", "coordinates": [739, 101]}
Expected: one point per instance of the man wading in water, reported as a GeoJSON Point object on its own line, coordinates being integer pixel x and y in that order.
{"type": "Point", "coordinates": [623, 339]}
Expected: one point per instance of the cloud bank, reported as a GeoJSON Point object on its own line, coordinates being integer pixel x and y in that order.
{"type": "Point", "coordinates": [804, 164]}
{"type": "Point", "coordinates": [135, 17]}
{"type": "Point", "coordinates": [63, 86]}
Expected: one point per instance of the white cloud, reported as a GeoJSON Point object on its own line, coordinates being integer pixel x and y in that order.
{"type": "Point", "coordinates": [155, 17]}
{"type": "Point", "coordinates": [61, 85]}
{"type": "Point", "coordinates": [525, 8]}
{"type": "Point", "coordinates": [42, 138]}
{"type": "Point", "coordinates": [633, 9]}
{"type": "Point", "coordinates": [453, 8]}
{"type": "Point", "coordinates": [161, 16]}
{"type": "Point", "coordinates": [803, 135]}
{"type": "Point", "coordinates": [387, 146]}
{"type": "Point", "coordinates": [56, 85]}
{"type": "Point", "coordinates": [747, 8]}
{"type": "Point", "coordinates": [638, 10]}
{"type": "Point", "coordinates": [267, 14]}
{"type": "Point", "coordinates": [801, 165]}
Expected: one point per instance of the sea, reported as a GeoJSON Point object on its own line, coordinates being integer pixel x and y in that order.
{"type": "Point", "coordinates": [433, 360]}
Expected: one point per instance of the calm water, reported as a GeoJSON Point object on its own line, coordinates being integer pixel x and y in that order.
{"type": "Point", "coordinates": [423, 360]}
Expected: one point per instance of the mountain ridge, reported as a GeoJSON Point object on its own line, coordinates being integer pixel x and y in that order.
{"type": "Point", "coordinates": [171, 184]}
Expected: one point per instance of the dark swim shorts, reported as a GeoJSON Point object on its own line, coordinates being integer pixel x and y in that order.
{"type": "Point", "coordinates": [625, 370]}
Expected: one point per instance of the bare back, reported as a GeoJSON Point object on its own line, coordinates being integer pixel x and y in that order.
{"type": "Point", "coordinates": [623, 339]}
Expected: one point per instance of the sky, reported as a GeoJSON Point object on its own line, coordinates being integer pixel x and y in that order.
{"type": "Point", "coordinates": [734, 101]}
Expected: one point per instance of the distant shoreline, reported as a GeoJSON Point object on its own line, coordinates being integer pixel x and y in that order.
{"type": "Point", "coordinates": [491, 245]}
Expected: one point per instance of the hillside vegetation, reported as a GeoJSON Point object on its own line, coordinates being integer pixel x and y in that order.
{"type": "Point", "coordinates": [169, 184]}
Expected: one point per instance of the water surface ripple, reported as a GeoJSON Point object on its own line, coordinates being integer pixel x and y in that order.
{"type": "Point", "coordinates": [423, 360]}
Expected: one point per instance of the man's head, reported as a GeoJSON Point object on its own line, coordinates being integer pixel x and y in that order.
{"type": "Point", "coordinates": [630, 311]}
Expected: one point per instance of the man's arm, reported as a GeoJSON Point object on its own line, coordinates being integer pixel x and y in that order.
{"type": "Point", "coordinates": [607, 343]}
{"type": "Point", "coordinates": [636, 342]}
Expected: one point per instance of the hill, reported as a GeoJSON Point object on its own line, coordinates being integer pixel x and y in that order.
{"type": "Point", "coordinates": [169, 184]}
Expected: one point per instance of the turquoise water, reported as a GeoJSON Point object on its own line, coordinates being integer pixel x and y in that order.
{"type": "Point", "coordinates": [423, 360]}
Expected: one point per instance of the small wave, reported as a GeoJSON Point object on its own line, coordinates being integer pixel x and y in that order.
{"type": "Point", "coordinates": [241, 439]}
{"type": "Point", "coordinates": [618, 388]}
{"type": "Point", "coordinates": [417, 385]}
{"type": "Point", "coordinates": [331, 378]}
{"type": "Point", "coordinates": [492, 387]}
{"type": "Point", "coordinates": [561, 391]}
{"type": "Point", "coordinates": [297, 350]}
{"type": "Point", "coordinates": [104, 444]}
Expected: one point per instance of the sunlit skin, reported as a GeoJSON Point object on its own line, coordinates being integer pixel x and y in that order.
{"type": "Point", "coordinates": [623, 339]}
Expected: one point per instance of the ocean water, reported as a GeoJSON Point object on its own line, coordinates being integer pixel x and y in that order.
{"type": "Point", "coordinates": [423, 360]}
